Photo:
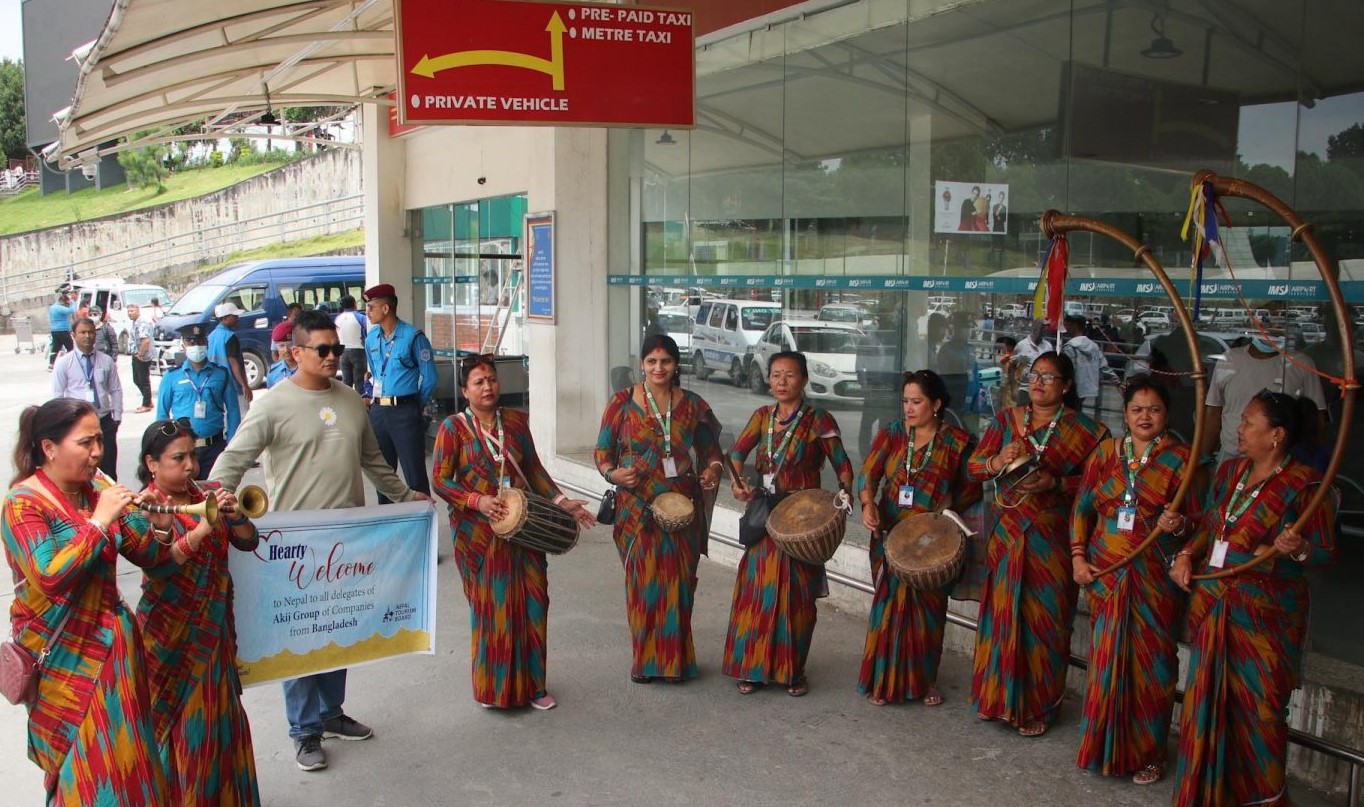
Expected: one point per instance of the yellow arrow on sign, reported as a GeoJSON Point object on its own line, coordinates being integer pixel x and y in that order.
{"type": "Point", "coordinates": [552, 67]}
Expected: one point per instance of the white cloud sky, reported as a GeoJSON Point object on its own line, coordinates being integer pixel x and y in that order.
{"type": "Point", "coordinates": [11, 31]}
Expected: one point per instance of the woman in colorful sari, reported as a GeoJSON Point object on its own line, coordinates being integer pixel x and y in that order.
{"type": "Point", "coordinates": [1023, 642]}
{"type": "Point", "coordinates": [1248, 630]}
{"type": "Point", "coordinates": [1127, 485]}
{"type": "Point", "coordinates": [772, 619]}
{"type": "Point", "coordinates": [477, 452]}
{"type": "Point", "coordinates": [649, 435]}
{"type": "Point", "coordinates": [917, 465]}
{"type": "Point", "coordinates": [189, 635]}
{"type": "Point", "coordinates": [90, 727]}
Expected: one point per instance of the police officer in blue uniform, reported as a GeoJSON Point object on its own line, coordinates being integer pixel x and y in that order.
{"type": "Point", "coordinates": [403, 375]}
{"type": "Point", "coordinates": [202, 393]}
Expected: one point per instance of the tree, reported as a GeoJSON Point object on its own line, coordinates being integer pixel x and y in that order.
{"type": "Point", "coordinates": [144, 166]}
{"type": "Point", "coordinates": [12, 136]}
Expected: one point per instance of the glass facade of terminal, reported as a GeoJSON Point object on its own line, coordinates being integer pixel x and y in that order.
{"type": "Point", "coordinates": [864, 168]}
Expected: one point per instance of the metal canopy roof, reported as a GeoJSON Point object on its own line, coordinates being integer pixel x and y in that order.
{"type": "Point", "coordinates": [162, 63]}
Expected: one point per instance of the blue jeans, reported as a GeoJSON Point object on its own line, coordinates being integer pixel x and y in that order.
{"type": "Point", "coordinates": [312, 699]}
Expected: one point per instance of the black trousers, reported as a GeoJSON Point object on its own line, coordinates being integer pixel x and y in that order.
{"type": "Point", "coordinates": [353, 367]}
{"type": "Point", "coordinates": [142, 379]}
{"type": "Point", "coordinates": [60, 339]}
{"type": "Point", "coordinates": [109, 463]}
{"type": "Point", "coordinates": [401, 432]}
{"type": "Point", "coordinates": [208, 455]}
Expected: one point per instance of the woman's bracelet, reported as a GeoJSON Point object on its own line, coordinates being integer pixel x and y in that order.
{"type": "Point", "coordinates": [560, 499]}
{"type": "Point", "coordinates": [182, 544]}
{"type": "Point", "coordinates": [713, 463]}
{"type": "Point", "coordinates": [606, 474]}
{"type": "Point", "coordinates": [472, 500]}
{"type": "Point", "coordinates": [1077, 552]}
{"type": "Point", "coordinates": [162, 536]}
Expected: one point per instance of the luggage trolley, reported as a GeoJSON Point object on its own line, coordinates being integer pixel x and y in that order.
{"type": "Point", "coordinates": [23, 333]}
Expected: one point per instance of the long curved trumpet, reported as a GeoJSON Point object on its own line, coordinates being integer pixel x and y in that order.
{"type": "Point", "coordinates": [207, 509]}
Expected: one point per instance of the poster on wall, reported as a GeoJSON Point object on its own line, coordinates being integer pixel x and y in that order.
{"type": "Point", "coordinates": [971, 208]}
{"type": "Point", "coordinates": [540, 267]}
{"type": "Point", "coordinates": [328, 589]}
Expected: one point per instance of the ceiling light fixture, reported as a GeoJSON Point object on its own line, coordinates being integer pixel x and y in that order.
{"type": "Point", "coordinates": [1162, 47]}
{"type": "Point", "coordinates": [666, 139]}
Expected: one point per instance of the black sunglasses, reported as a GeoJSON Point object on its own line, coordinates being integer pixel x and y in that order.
{"type": "Point", "coordinates": [325, 350]}
{"type": "Point", "coordinates": [170, 428]}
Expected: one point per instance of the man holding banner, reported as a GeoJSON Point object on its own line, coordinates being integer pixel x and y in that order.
{"type": "Point", "coordinates": [317, 441]}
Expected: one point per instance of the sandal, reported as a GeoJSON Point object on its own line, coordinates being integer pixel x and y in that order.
{"type": "Point", "coordinates": [876, 700]}
{"type": "Point", "coordinates": [641, 679]}
{"type": "Point", "coordinates": [933, 697]}
{"type": "Point", "coordinates": [1033, 728]}
{"type": "Point", "coordinates": [1148, 775]}
{"type": "Point", "coordinates": [748, 687]}
{"type": "Point", "coordinates": [798, 687]}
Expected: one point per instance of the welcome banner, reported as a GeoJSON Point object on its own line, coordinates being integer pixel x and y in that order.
{"type": "Point", "coordinates": [328, 589]}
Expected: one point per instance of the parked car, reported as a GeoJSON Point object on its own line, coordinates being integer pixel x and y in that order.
{"type": "Point", "coordinates": [843, 312]}
{"type": "Point", "coordinates": [113, 297]}
{"type": "Point", "coordinates": [1154, 321]}
{"type": "Point", "coordinates": [677, 323]}
{"type": "Point", "coordinates": [1211, 346]}
{"type": "Point", "coordinates": [724, 332]}
{"type": "Point", "coordinates": [263, 289]}
{"type": "Point", "coordinates": [830, 348]}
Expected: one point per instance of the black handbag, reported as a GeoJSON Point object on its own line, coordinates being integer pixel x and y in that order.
{"type": "Point", "coordinates": [606, 511]}
{"type": "Point", "coordinates": [753, 523]}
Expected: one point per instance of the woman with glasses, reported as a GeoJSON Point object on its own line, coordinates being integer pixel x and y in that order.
{"type": "Point", "coordinates": [188, 632]}
{"type": "Point", "coordinates": [90, 726]}
{"type": "Point", "coordinates": [1248, 630]}
{"type": "Point", "coordinates": [657, 438]}
{"type": "Point", "coordinates": [772, 619]}
{"type": "Point", "coordinates": [1023, 641]}
{"type": "Point", "coordinates": [478, 452]}
{"type": "Point", "coordinates": [916, 465]}
{"type": "Point", "coordinates": [1124, 494]}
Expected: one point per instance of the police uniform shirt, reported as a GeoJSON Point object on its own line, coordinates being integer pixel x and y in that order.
{"type": "Point", "coordinates": [184, 386]}
{"type": "Point", "coordinates": [402, 365]}
{"type": "Point", "coordinates": [278, 372]}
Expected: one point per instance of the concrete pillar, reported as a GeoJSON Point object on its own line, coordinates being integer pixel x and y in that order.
{"type": "Point", "coordinates": [388, 250]}
{"type": "Point", "coordinates": [568, 359]}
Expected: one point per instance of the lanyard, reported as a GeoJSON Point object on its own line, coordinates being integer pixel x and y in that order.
{"type": "Point", "coordinates": [779, 457]}
{"type": "Point", "coordinates": [390, 341]}
{"type": "Point", "coordinates": [1237, 505]}
{"type": "Point", "coordinates": [910, 470]}
{"type": "Point", "coordinates": [88, 367]}
{"type": "Point", "coordinates": [1134, 464]}
{"type": "Point", "coordinates": [198, 390]}
{"type": "Point", "coordinates": [666, 421]}
{"type": "Point", "coordinates": [499, 456]}
{"type": "Point", "coordinates": [1051, 429]}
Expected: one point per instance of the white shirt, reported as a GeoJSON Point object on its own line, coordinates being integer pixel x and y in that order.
{"type": "Point", "coordinates": [1089, 361]}
{"type": "Point", "coordinates": [1238, 376]}
{"type": "Point", "coordinates": [73, 373]}
{"type": "Point", "coordinates": [349, 330]}
{"type": "Point", "coordinates": [1027, 351]}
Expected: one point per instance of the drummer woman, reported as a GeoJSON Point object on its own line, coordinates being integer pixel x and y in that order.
{"type": "Point", "coordinates": [477, 451]}
{"type": "Point", "coordinates": [1023, 641]}
{"type": "Point", "coordinates": [905, 629]}
{"type": "Point", "coordinates": [90, 728]}
{"type": "Point", "coordinates": [772, 619]}
{"type": "Point", "coordinates": [1127, 484]}
{"type": "Point", "coordinates": [649, 433]}
{"type": "Point", "coordinates": [189, 634]}
{"type": "Point", "coordinates": [1248, 630]}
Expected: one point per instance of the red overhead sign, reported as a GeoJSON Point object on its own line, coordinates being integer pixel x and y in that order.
{"type": "Point", "coordinates": [508, 61]}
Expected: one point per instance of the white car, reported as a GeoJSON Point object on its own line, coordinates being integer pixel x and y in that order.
{"type": "Point", "coordinates": [830, 350]}
{"type": "Point", "coordinates": [851, 314]}
{"type": "Point", "coordinates": [1154, 320]}
{"type": "Point", "coordinates": [677, 323]}
{"type": "Point", "coordinates": [1211, 346]}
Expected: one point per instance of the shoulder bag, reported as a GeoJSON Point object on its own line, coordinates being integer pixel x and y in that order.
{"type": "Point", "coordinates": [19, 670]}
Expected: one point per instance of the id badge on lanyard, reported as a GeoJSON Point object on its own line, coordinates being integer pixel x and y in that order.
{"type": "Point", "coordinates": [200, 409]}
{"type": "Point", "coordinates": [1127, 518]}
{"type": "Point", "coordinates": [906, 496]}
{"type": "Point", "coordinates": [770, 482]}
{"type": "Point", "coordinates": [1218, 559]}
{"type": "Point", "coordinates": [377, 387]}
{"type": "Point", "coordinates": [669, 467]}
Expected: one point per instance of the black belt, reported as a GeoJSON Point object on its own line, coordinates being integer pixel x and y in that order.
{"type": "Point", "coordinates": [396, 400]}
{"type": "Point", "coordinates": [205, 442]}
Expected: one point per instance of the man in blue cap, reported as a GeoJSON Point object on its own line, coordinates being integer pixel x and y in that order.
{"type": "Point", "coordinates": [403, 374]}
{"type": "Point", "coordinates": [201, 392]}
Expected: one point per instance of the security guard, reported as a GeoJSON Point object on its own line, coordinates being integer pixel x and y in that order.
{"type": "Point", "coordinates": [200, 392]}
{"type": "Point", "coordinates": [403, 375]}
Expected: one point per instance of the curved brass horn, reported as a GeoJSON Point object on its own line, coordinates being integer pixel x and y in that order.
{"type": "Point", "coordinates": [252, 501]}
{"type": "Point", "coordinates": [207, 509]}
